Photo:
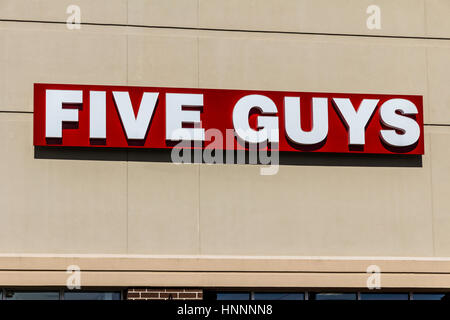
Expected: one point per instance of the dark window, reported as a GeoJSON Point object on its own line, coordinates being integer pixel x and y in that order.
{"type": "Point", "coordinates": [233, 296]}
{"type": "Point", "coordinates": [278, 296]}
{"type": "Point", "coordinates": [384, 296]}
{"type": "Point", "coordinates": [431, 296]}
{"type": "Point", "coordinates": [91, 295]}
{"type": "Point", "coordinates": [31, 295]}
{"type": "Point", "coordinates": [333, 296]}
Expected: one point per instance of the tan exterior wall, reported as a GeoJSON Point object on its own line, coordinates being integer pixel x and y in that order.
{"type": "Point", "coordinates": [126, 204]}
{"type": "Point", "coordinates": [225, 271]}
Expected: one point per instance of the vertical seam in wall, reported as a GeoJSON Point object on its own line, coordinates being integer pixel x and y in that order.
{"type": "Point", "coordinates": [198, 61]}
{"type": "Point", "coordinates": [432, 200]}
{"type": "Point", "coordinates": [47, 203]}
{"type": "Point", "coordinates": [433, 237]}
{"type": "Point", "coordinates": [126, 35]}
{"type": "Point", "coordinates": [198, 13]}
{"type": "Point", "coordinates": [425, 26]}
{"type": "Point", "coordinates": [199, 246]}
{"type": "Point", "coordinates": [198, 214]}
{"type": "Point", "coordinates": [127, 232]}
{"type": "Point", "coordinates": [198, 45]}
{"type": "Point", "coordinates": [427, 78]}
{"type": "Point", "coordinates": [127, 211]}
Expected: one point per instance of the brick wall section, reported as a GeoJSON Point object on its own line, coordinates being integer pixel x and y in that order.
{"type": "Point", "coordinates": [164, 294]}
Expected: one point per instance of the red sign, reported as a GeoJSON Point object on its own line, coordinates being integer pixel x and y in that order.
{"type": "Point", "coordinates": [152, 117]}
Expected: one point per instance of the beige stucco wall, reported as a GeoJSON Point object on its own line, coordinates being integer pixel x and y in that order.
{"type": "Point", "coordinates": [130, 205]}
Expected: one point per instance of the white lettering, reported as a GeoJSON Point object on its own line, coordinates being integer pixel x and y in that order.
{"type": "Point", "coordinates": [319, 129]}
{"type": "Point", "coordinates": [97, 114]}
{"type": "Point", "coordinates": [356, 121]}
{"type": "Point", "coordinates": [55, 114]}
{"type": "Point", "coordinates": [176, 116]}
{"type": "Point", "coordinates": [409, 127]}
{"type": "Point", "coordinates": [268, 125]}
{"type": "Point", "coordinates": [135, 127]}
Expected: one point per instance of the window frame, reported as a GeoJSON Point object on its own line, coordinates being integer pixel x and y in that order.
{"type": "Point", "coordinates": [308, 294]}
{"type": "Point", "coordinates": [62, 290]}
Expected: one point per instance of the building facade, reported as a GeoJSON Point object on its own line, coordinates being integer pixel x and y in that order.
{"type": "Point", "coordinates": [137, 226]}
